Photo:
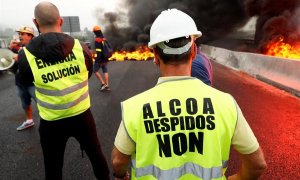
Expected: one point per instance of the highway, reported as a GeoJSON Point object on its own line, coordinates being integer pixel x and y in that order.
{"type": "Point", "coordinates": [273, 114]}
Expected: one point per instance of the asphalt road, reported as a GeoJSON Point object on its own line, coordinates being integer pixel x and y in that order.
{"type": "Point", "coordinates": [272, 113]}
{"type": "Point", "coordinates": [20, 151]}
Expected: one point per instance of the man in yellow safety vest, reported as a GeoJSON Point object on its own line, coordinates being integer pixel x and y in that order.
{"type": "Point", "coordinates": [182, 128]}
{"type": "Point", "coordinates": [59, 66]}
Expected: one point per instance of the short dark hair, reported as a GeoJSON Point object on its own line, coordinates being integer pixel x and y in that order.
{"type": "Point", "coordinates": [175, 58]}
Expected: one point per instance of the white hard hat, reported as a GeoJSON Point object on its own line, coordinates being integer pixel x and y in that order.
{"type": "Point", "coordinates": [172, 24]}
{"type": "Point", "coordinates": [26, 29]}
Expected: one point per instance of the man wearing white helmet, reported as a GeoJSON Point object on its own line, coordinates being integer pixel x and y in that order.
{"type": "Point", "coordinates": [25, 90]}
{"type": "Point", "coordinates": [182, 128]}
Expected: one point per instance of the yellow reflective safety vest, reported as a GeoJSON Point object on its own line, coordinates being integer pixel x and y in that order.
{"type": "Point", "coordinates": [61, 86]}
{"type": "Point", "coordinates": [182, 129]}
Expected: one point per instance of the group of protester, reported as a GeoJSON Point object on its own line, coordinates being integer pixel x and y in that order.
{"type": "Point", "coordinates": [182, 128]}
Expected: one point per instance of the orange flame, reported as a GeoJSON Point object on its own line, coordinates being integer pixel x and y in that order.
{"type": "Point", "coordinates": [142, 53]}
{"type": "Point", "coordinates": [279, 48]}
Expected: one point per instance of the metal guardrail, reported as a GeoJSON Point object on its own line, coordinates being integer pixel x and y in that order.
{"type": "Point", "coordinates": [280, 72]}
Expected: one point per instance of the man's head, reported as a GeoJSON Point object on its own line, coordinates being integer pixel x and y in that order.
{"type": "Point", "coordinates": [96, 28]}
{"type": "Point", "coordinates": [47, 17]}
{"type": "Point", "coordinates": [97, 31]}
{"type": "Point", "coordinates": [172, 36]}
{"type": "Point", "coordinates": [25, 34]}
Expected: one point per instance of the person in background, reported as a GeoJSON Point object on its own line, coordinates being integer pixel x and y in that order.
{"type": "Point", "coordinates": [60, 66]}
{"type": "Point", "coordinates": [202, 68]}
{"type": "Point", "coordinates": [100, 60]}
{"type": "Point", "coordinates": [26, 90]}
{"type": "Point", "coordinates": [182, 128]}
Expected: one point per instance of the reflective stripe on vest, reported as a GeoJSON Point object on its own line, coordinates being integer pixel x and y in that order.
{"type": "Point", "coordinates": [189, 130]}
{"type": "Point", "coordinates": [63, 92]}
{"type": "Point", "coordinates": [63, 106]}
{"type": "Point", "coordinates": [175, 173]}
{"type": "Point", "coordinates": [61, 86]}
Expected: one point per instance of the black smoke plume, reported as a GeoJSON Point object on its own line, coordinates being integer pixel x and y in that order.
{"type": "Point", "coordinates": [278, 18]}
{"type": "Point", "coordinates": [214, 18]}
{"type": "Point", "coordinates": [130, 25]}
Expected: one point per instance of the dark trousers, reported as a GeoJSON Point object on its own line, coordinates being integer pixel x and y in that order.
{"type": "Point", "coordinates": [54, 136]}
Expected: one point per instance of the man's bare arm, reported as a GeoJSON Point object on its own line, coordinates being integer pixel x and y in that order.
{"type": "Point", "coordinates": [252, 167]}
{"type": "Point", "coordinates": [120, 162]}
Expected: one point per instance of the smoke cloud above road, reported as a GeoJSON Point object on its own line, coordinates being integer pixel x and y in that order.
{"type": "Point", "coordinates": [213, 19]}
{"type": "Point", "coordinates": [129, 26]}
{"type": "Point", "coordinates": [275, 18]}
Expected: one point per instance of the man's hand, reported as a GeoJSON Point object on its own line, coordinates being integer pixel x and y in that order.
{"type": "Point", "coordinates": [252, 166]}
{"type": "Point", "coordinates": [120, 163]}
{"type": "Point", "coordinates": [15, 57]}
{"type": "Point", "coordinates": [126, 177]}
{"type": "Point", "coordinates": [14, 44]}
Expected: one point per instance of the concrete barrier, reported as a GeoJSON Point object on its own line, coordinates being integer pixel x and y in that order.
{"type": "Point", "coordinates": [280, 72]}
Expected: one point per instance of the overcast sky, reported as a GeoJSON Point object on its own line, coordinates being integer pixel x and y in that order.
{"type": "Point", "coordinates": [16, 13]}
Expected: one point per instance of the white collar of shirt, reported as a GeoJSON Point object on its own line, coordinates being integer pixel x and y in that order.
{"type": "Point", "coordinates": [172, 78]}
